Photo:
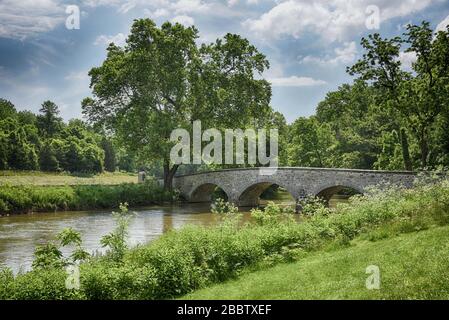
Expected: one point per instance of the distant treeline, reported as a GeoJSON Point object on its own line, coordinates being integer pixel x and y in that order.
{"type": "Point", "coordinates": [45, 142]}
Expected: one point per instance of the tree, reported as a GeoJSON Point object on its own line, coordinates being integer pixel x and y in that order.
{"type": "Point", "coordinates": [47, 158]}
{"type": "Point", "coordinates": [161, 80]}
{"type": "Point", "coordinates": [356, 121]}
{"type": "Point", "coordinates": [424, 97]}
{"type": "Point", "coordinates": [49, 123]}
{"type": "Point", "coordinates": [7, 109]}
{"type": "Point", "coordinates": [311, 143]}
{"type": "Point", "coordinates": [381, 65]}
{"type": "Point", "coordinates": [19, 145]}
{"type": "Point", "coordinates": [110, 162]}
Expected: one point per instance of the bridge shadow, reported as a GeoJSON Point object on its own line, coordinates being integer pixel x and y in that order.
{"type": "Point", "coordinates": [208, 192]}
{"type": "Point", "coordinates": [260, 194]}
{"type": "Point", "coordinates": [333, 195]}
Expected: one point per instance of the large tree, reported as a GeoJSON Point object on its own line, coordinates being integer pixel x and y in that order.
{"type": "Point", "coordinates": [417, 97]}
{"type": "Point", "coordinates": [380, 64]}
{"type": "Point", "coordinates": [425, 96]}
{"type": "Point", "coordinates": [162, 80]}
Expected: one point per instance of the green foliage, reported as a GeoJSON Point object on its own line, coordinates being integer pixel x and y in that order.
{"type": "Point", "coordinates": [110, 162]}
{"type": "Point", "coordinates": [38, 284]}
{"type": "Point", "coordinates": [47, 158]}
{"type": "Point", "coordinates": [49, 122]}
{"type": "Point", "coordinates": [45, 142]}
{"type": "Point", "coordinates": [169, 81]}
{"type": "Point", "coordinates": [311, 144]}
{"type": "Point", "coordinates": [116, 240]}
{"type": "Point", "coordinates": [413, 267]}
{"type": "Point", "coordinates": [49, 255]}
{"type": "Point", "coordinates": [220, 206]}
{"type": "Point", "coordinates": [314, 206]}
{"type": "Point", "coordinates": [7, 109]}
{"type": "Point", "coordinates": [272, 214]}
{"type": "Point", "coordinates": [80, 197]}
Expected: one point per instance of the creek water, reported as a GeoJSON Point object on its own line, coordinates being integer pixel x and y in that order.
{"type": "Point", "coordinates": [19, 234]}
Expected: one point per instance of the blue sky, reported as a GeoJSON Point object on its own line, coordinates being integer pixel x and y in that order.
{"type": "Point", "coordinates": [308, 43]}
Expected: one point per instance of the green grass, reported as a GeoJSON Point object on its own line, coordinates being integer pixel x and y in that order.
{"type": "Point", "coordinates": [412, 266]}
{"type": "Point", "coordinates": [39, 178]}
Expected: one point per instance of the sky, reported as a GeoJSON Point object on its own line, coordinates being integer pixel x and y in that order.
{"type": "Point", "coordinates": [45, 55]}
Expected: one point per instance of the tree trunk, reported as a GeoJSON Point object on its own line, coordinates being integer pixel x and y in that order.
{"type": "Point", "coordinates": [424, 148]}
{"type": "Point", "coordinates": [169, 173]}
{"type": "Point", "coordinates": [405, 151]}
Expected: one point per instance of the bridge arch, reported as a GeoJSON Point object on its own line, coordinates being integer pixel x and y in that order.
{"type": "Point", "coordinates": [250, 194]}
{"type": "Point", "coordinates": [326, 192]}
{"type": "Point", "coordinates": [204, 192]}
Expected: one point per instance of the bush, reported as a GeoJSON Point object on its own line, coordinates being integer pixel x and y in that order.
{"type": "Point", "coordinates": [81, 197]}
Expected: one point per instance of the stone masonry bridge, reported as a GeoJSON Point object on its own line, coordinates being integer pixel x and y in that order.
{"type": "Point", "coordinates": [244, 186]}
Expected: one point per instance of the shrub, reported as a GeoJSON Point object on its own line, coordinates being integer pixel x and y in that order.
{"type": "Point", "coordinates": [81, 197]}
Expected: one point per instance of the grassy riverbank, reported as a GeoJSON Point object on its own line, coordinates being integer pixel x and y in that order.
{"type": "Point", "coordinates": [412, 266]}
{"type": "Point", "coordinates": [22, 199]}
{"type": "Point", "coordinates": [193, 258]}
{"type": "Point", "coordinates": [39, 178]}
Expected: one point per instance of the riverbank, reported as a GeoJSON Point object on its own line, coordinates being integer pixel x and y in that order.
{"type": "Point", "coordinates": [193, 258]}
{"type": "Point", "coordinates": [411, 266]}
{"type": "Point", "coordinates": [16, 199]}
{"type": "Point", "coordinates": [39, 178]}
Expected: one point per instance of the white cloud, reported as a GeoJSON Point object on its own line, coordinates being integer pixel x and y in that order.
{"type": "Point", "coordinates": [161, 12]}
{"type": "Point", "coordinates": [98, 3]}
{"type": "Point", "coordinates": [331, 19]}
{"type": "Point", "coordinates": [184, 20]}
{"type": "Point", "coordinates": [407, 59]}
{"type": "Point", "coordinates": [442, 25]}
{"type": "Point", "coordinates": [26, 18]}
{"type": "Point", "coordinates": [77, 76]}
{"type": "Point", "coordinates": [190, 6]}
{"type": "Point", "coordinates": [343, 55]}
{"type": "Point", "coordinates": [119, 39]}
{"type": "Point", "coordinates": [294, 81]}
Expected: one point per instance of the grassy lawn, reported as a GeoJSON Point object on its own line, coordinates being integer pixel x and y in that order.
{"type": "Point", "coordinates": [412, 266]}
{"type": "Point", "coordinates": [57, 179]}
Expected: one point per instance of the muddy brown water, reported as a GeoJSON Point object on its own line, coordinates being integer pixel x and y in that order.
{"type": "Point", "coordinates": [19, 234]}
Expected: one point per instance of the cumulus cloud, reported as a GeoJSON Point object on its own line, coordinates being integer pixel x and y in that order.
{"type": "Point", "coordinates": [184, 20]}
{"type": "Point", "coordinates": [407, 59]}
{"type": "Point", "coordinates": [342, 55]}
{"type": "Point", "coordinates": [161, 12]}
{"type": "Point", "coordinates": [331, 19]}
{"type": "Point", "coordinates": [22, 19]}
{"type": "Point", "coordinates": [442, 25]}
{"type": "Point", "coordinates": [294, 81]}
{"type": "Point", "coordinates": [119, 39]}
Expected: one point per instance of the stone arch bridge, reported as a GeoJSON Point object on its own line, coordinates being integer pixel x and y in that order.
{"type": "Point", "coordinates": [244, 186]}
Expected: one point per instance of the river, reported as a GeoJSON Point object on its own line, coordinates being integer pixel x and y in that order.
{"type": "Point", "coordinates": [19, 234]}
